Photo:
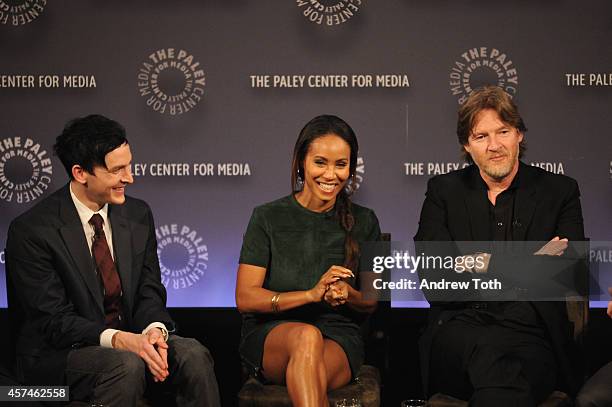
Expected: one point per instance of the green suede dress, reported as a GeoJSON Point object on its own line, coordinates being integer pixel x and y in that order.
{"type": "Point", "coordinates": [297, 246]}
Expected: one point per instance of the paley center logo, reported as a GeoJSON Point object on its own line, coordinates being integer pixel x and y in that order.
{"type": "Point", "coordinates": [359, 173]}
{"type": "Point", "coordinates": [20, 12]}
{"type": "Point", "coordinates": [329, 12]}
{"type": "Point", "coordinates": [25, 170]}
{"type": "Point", "coordinates": [183, 256]}
{"type": "Point", "coordinates": [482, 66]}
{"type": "Point", "coordinates": [172, 81]}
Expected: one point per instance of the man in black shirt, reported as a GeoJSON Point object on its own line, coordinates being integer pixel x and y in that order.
{"type": "Point", "coordinates": [498, 353]}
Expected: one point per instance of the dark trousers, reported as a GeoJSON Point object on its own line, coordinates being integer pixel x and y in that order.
{"type": "Point", "coordinates": [491, 362]}
{"type": "Point", "coordinates": [113, 377]}
{"type": "Point", "coordinates": [597, 391]}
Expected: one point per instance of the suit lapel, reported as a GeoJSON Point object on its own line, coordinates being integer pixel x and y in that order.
{"type": "Point", "coordinates": [476, 206]}
{"type": "Point", "coordinates": [76, 243]}
{"type": "Point", "coordinates": [524, 203]}
{"type": "Point", "coordinates": [476, 203]}
{"type": "Point", "coordinates": [122, 248]}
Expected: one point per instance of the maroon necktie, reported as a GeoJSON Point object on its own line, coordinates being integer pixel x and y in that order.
{"type": "Point", "coordinates": [108, 272]}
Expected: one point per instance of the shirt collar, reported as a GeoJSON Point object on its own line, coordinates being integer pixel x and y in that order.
{"type": "Point", "coordinates": [85, 213]}
{"type": "Point", "coordinates": [516, 181]}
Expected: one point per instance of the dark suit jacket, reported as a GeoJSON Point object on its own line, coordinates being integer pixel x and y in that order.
{"type": "Point", "coordinates": [546, 205]}
{"type": "Point", "coordinates": [55, 296]}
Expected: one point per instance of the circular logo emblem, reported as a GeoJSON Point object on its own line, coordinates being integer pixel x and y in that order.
{"type": "Point", "coordinates": [482, 66]}
{"type": "Point", "coordinates": [2, 261]}
{"type": "Point", "coordinates": [183, 257]}
{"type": "Point", "coordinates": [20, 12]}
{"type": "Point", "coordinates": [25, 170]}
{"type": "Point", "coordinates": [329, 12]}
{"type": "Point", "coordinates": [171, 81]}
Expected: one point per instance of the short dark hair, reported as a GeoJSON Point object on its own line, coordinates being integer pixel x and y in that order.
{"type": "Point", "coordinates": [488, 97]}
{"type": "Point", "coordinates": [85, 141]}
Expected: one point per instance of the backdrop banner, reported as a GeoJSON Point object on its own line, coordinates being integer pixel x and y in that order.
{"type": "Point", "coordinates": [214, 93]}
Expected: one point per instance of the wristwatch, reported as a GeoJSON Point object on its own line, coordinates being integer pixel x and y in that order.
{"type": "Point", "coordinates": [164, 333]}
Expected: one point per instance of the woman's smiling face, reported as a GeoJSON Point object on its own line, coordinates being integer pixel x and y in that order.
{"type": "Point", "coordinates": [326, 171]}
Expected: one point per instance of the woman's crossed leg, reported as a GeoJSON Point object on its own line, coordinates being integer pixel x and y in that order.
{"type": "Point", "coordinates": [296, 354]}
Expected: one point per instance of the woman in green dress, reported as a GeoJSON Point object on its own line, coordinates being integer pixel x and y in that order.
{"type": "Point", "coordinates": [298, 272]}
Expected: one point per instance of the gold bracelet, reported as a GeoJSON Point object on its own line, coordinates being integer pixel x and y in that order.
{"type": "Point", "coordinates": [275, 299]}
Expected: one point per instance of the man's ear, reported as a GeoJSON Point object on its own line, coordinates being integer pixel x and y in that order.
{"type": "Point", "coordinates": [520, 136]}
{"type": "Point", "coordinates": [79, 174]}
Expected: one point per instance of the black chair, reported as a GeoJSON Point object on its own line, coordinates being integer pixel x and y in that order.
{"type": "Point", "coordinates": [366, 388]}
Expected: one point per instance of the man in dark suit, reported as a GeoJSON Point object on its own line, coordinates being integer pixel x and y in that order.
{"type": "Point", "coordinates": [498, 353]}
{"type": "Point", "coordinates": [85, 293]}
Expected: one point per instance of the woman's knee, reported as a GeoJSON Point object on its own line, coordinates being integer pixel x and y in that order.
{"type": "Point", "coordinates": [291, 344]}
{"type": "Point", "coordinates": [306, 338]}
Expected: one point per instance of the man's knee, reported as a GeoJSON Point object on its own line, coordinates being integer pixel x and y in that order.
{"type": "Point", "coordinates": [190, 354]}
{"type": "Point", "coordinates": [98, 360]}
{"type": "Point", "coordinates": [594, 397]}
{"type": "Point", "coordinates": [105, 374]}
{"type": "Point", "coordinates": [596, 391]}
{"type": "Point", "coordinates": [130, 365]}
{"type": "Point", "coordinates": [193, 349]}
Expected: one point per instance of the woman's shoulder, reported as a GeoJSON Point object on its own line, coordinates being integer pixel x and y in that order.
{"type": "Point", "coordinates": [366, 221]}
{"type": "Point", "coordinates": [279, 203]}
{"type": "Point", "coordinates": [273, 208]}
{"type": "Point", "coordinates": [360, 211]}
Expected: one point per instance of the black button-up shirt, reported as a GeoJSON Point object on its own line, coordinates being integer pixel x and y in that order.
{"type": "Point", "coordinates": [501, 222]}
